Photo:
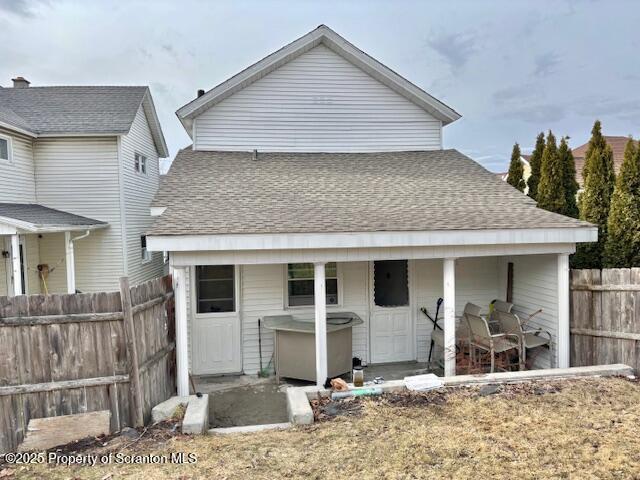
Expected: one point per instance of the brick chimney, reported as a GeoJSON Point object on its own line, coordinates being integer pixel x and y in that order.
{"type": "Point", "coordinates": [20, 82]}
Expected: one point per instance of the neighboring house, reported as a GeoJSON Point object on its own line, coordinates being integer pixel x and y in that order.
{"type": "Point", "coordinates": [526, 172]}
{"type": "Point", "coordinates": [617, 144]}
{"type": "Point", "coordinates": [318, 175]}
{"type": "Point", "coordinates": [78, 171]}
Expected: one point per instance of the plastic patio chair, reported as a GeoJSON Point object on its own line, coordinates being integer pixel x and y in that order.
{"type": "Point", "coordinates": [480, 337]}
{"type": "Point", "coordinates": [528, 338]}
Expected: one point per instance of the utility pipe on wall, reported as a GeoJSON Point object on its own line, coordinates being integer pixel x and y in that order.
{"type": "Point", "coordinates": [70, 259]}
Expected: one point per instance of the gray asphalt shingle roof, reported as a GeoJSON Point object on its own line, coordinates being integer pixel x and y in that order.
{"type": "Point", "coordinates": [73, 110]}
{"type": "Point", "coordinates": [229, 192]}
{"type": "Point", "coordinates": [43, 217]}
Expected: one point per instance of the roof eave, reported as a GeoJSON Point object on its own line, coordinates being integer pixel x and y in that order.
{"type": "Point", "coordinates": [340, 46]}
{"type": "Point", "coordinates": [39, 228]}
{"type": "Point", "coordinates": [154, 124]}
{"type": "Point", "coordinates": [15, 128]}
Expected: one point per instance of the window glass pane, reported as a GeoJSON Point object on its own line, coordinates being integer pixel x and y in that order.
{"type": "Point", "coordinates": [143, 165]}
{"type": "Point", "coordinates": [301, 285]}
{"type": "Point", "coordinates": [136, 162]}
{"type": "Point", "coordinates": [4, 149]}
{"type": "Point", "coordinates": [215, 288]}
{"type": "Point", "coordinates": [391, 283]}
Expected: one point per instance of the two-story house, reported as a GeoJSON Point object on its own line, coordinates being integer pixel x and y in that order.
{"type": "Point", "coordinates": [317, 211]}
{"type": "Point", "coordinates": [78, 170]}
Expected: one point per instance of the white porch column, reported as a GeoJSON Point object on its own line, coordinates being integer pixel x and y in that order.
{"type": "Point", "coordinates": [449, 273]}
{"type": "Point", "coordinates": [564, 335]}
{"type": "Point", "coordinates": [320, 302]}
{"type": "Point", "coordinates": [70, 262]}
{"type": "Point", "coordinates": [182, 345]}
{"type": "Point", "coordinates": [15, 262]}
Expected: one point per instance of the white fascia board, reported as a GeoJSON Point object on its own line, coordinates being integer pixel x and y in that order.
{"type": "Point", "coordinates": [154, 125]}
{"type": "Point", "coordinates": [9, 126]}
{"type": "Point", "coordinates": [26, 227]}
{"type": "Point", "coordinates": [178, 243]}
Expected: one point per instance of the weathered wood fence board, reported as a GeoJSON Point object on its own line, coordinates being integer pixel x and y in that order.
{"type": "Point", "coordinates": [605, 317]}
{"type": "Point", "coordinates": [67, 354]}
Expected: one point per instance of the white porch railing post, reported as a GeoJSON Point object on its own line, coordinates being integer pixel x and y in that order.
{"type": "Point", "coordinates": [449, 274]}
{"type": "Point", "coordinates": [70, 262]}
{"type": "Point", "coordinates": [564, 334]}
{"type": "Point", "coordinates": [15, 262]}
{"type": "Point", "coordinates": [320, 302]}
{"type": "Point", "coordinates": [182, 343]}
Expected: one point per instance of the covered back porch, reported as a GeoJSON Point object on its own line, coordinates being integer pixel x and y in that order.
{"type": "Point", "coordinates": [37, 245]}
{"type": "Point", "coordinates": [345, 280]}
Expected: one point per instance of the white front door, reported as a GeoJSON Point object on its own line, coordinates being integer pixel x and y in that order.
{"type": "Point", "coordinates": [215, 326]}
{"type": "Point", "coordinates": [391, 324]}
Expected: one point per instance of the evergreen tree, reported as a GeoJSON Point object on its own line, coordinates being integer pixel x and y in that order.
{"type": "Point", "coordinates": [516, 171]}
{"type": "Point", "coordinates": [623, 229]}
{"type": "Point", "coordinates": [595, 200]}
{"type": "Point", "coordinates": [569, 179]}
{"type": "Point", "coordinates": [551, 186]}
{"type": "Point", "coordinates": [535, 161]}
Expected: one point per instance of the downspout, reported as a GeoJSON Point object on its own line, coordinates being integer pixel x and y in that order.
{"type": "Point", "coordinates": [70, 259]}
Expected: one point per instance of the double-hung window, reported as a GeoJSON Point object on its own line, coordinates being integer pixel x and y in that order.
{"type": "Point", "coordinates": [5, 148]}
{"type": "Point", "coordinates": [215, 288]}
{"type": "Point", "coordinates": [140, 163]}
{"type": "Point", "coordinates": [300, 284]}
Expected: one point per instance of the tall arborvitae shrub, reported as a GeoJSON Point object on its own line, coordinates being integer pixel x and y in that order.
{"type": "Point", "coordinates": [622, 249]}
{"type": "Point", "coordinates": [516, 171]}
{"type": "Point", "coordinates": [570, 185]}
{"type": "Point", "coordinates": [595, 200]}
{"type": "Point", "coordinates": [536, 162]}
{"type": "Point", "coordinates": [551, 187]}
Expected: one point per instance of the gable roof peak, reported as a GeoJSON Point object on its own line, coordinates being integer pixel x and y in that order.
{"type": "Point", "coordinates": [339, 45]}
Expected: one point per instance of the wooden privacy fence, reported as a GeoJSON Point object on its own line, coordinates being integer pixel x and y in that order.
{"type": "Point", "coordinates": [67, 354]}
{"type": "Point", "coordinates": [605, 317]}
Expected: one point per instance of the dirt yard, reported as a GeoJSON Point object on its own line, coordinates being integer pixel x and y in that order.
{"type": "Point", "coordinates": [578, 429]}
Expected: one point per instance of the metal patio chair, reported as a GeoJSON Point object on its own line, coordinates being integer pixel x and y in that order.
{"type": "Point", "coordinates": [437, 334]}
{"type": "Point", "coordinates": [529, 338]}
{"type": "Point", "coordinates": [481, 338]}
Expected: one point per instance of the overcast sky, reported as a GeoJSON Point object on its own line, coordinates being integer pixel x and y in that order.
{"type": "Point", "coordinates": [510, 68]}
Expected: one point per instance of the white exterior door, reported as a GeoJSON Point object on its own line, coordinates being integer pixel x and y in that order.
{"type": "Point", "coordinates": [215, 337]}
{"type": "Point", "coordinates": [391, 324]}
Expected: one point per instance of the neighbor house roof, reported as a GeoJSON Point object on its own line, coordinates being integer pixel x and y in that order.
{"type": "Point", "coordinates": [38, 218]}
{"type": "Point", "coordinates": [617, 144]}
{"type": "Point", "coordinates": [321, 35]}
{"type": "Point", "coordinates": [84, 110]}
{"type": "Point", "coordinates": [209, 193]}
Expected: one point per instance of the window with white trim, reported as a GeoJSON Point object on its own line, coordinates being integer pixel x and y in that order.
{"type": "Point", "coordinates": [300, 284]}
{"type": "Point", "coordinates": [215, 288]}
{"type": "Point", "coordinates": [5, 148]}
{"type": "Point", "coordinates": [140, 163]}
{"type": "Point", "coordinates": [145, 254]}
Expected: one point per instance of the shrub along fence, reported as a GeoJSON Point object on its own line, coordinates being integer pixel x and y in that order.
{"type": "Point", "coordinates": [605, 317]}
{"type": "Point", "coordinates": [67, 354]}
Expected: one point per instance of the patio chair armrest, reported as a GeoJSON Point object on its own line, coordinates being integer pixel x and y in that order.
{"type": "Point", "coordinates": [538, 331]}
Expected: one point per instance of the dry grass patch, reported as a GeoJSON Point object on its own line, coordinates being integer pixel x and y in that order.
{"type": "Point", "coordinates": [579, 429]}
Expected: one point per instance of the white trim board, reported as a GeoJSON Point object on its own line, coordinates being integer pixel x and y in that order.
{"type": "Point", "coordinates": [183, 243]}
{"type": "Point", "coordinates": [263, 257]}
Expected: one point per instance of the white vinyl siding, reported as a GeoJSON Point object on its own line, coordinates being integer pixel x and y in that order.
{"type": "Point", "coordinates": [535, 285]}
{"type": "Point", "coordinates": [17, 179]}
{"type": "Point", "coordinates": [80, 175]}
{"type": "Point", "coordinates": [263, 293]}
{"type": "Point", "coordinates": [318, 102]}
{"type": "Point", "coordinates": [477, 281]}
{"type": "Point", "coordinates": [139, 190]}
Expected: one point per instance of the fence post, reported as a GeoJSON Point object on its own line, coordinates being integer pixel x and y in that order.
{"type": "Point", "coordinates": [132, 353]}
